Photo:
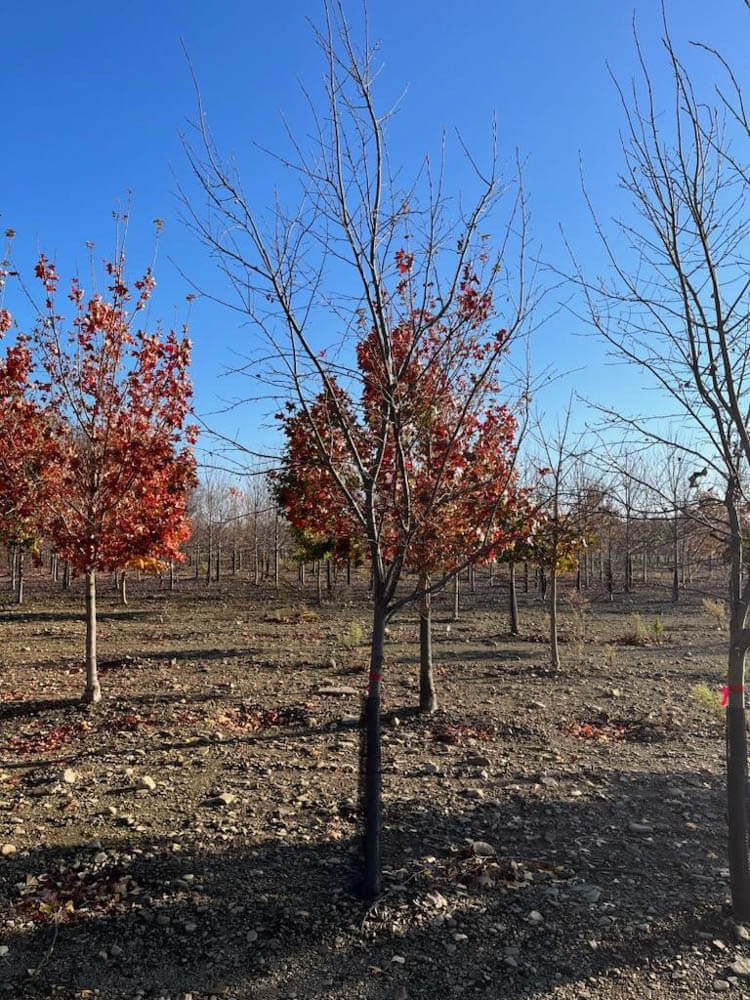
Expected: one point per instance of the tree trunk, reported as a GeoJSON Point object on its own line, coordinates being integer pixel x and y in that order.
{"type": "Point", "coordinates": [736, 726]}
{"type": "Point", "coordinates": [737, 788]}
{"type": "Point", "coordinates": [526, 576]}
{"type": "Point", "coordinates": [276, 551]}
{"type": "Point", "coordinates": [675, 564]}
{"type": "Point", "coordinates": [456, 597]}
{"type": "Point", "coordinates": [329, 581]}
{"type": "Point", "coordinates": [93, 692]}
{"type": "Point", "coordinates": [13, 566]}
{"type": "Point", "coordinates": [427, 694]}
{"type": "Point", "coordinates": [318, 582]}
{"type": "Point", "coordinates": [210, 555]}
{"type": "Point", "coordinates": [348, 572]}
{"type": "Point", "coordinates": [513, 600]}
{"type": "Point", "coordinates": [172, 577]}
{"type": "Point", "coordinates": [123, 588]}
{"type": "Point", "coordinates": [628, 557]}
{"type": "Point", "coordinates": [66, 576]}
{"type": "Point", "coordinates": [371, 776]}
{"type": "Point", "coordinates": [554, 652]}
{"type": "Point", "coordinates": [19, 575]}
{"type": "Point", "coordinates": [217, 574]}
{"type": "Point", "coordinates": [256, 552]}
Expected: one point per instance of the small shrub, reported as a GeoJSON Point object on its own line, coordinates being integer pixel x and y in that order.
{"type": "Point", "coordinates": [354, 635]}
{"type": "Point", "coordinates": [638, 633]}
{"type": "Point", "coordinates": [657, 629]}
{"type": "Point", "coordinates": [708, 699]}
{"type": "Point", "coordinates": [579, 608]}
{"type": "Point", "coordinates": [717, 610]}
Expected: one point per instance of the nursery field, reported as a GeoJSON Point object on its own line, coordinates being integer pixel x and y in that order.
{"type": "Point", "coordinates": [197, 835]}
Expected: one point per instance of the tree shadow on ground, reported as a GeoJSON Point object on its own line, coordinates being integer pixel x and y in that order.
{"type": "Point", "coordinates": [261, 917]}
{"type": "Point", "coordinates": [132, 614]}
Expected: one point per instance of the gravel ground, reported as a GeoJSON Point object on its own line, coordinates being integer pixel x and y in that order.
{"type": "Point", "coordinates": [197, 834]}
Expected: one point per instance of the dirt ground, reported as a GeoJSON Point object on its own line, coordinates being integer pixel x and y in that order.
{"type": "Point", "coordinates": [197, 834]}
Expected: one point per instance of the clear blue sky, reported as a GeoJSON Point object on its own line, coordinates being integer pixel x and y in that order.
{"type": "Point", "coordinates": [94, 97]}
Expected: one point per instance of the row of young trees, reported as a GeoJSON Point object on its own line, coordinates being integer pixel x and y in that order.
{"type": "Point", "coordinates": [388, 440]}
{"type": "Point", "coordinates": [95, 448]}
{"type": "Point", "coordinates": [401, 442]}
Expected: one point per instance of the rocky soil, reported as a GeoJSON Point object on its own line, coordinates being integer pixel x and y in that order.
{"type": "Point", "coordinates": [197, 834]}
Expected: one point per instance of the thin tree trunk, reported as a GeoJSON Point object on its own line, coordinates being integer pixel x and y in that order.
{"type": "Point", "coordinates": [737, 783]}
{"type": "Point", "coordinates": [256, 552]}
{"type": "Point", "coordinates": [19, 575]}
{"type": "Point", "coordinates": [526, 576]}
{"type": "Point", "coordinates": [276, 551]}
{"type": "Point", "coordinates": [628, 558]}
{"type": "Point", "coordinates": [456, 597]}
{"type": "Point", "coordinates": [348, 572]}
{"type": "Point", "coordinates": [13, 566]}
{"type": "Point", "coordinates": [318, 582]}
{"type": "Point", "coordinates": [66, 575]}
{"type": "Point", "coordinates": [172, 575]}
{"type": "Point", "coordinates": [371, 777]}
{"type": "Point", "coordinates": [427, 693]}
{"type": "Point", "coordinates": [210, 555]}
{"type": "Point", "coordinates": [554, 652]}
{"type": "Point", "coordinates": [123, 588]}
{"type": "Point", "coordinates": [93, 692]}
{"type": "Point", "coordinates": [513, 600]}
{"type": "Point", "coordinates": [329, 581]}
{"type": "Point", "coordinates": [736, 726]}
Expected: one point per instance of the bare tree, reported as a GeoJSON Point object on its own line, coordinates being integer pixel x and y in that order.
{"type": "Point", "coordinates": [675, 303]}
{"type": "Point", "coordinates": [364, 252]}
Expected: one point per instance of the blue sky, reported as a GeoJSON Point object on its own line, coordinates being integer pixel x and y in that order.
{"type": "Point", "coordinates": [94, 97]}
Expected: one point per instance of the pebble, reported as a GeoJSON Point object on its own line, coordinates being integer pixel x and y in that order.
{"type": "Point", "coordinates": [4, 949]}
{"type": "Point", "coordinates": [482, 849]}
{"type": "Point", "coordinates": [399, 960]}
{"type": "Point", "coordinates": [147, 782]}
{"type": "Point", "coordinates": [7, 849]}
{"type": "Point", "coordinates": [740, 967]}
{"type": "Point", "coordinates": [720, 985]}
{"type": "Point", "coordinates": [69, 776]}
{"type": "Point", "coordinates": [535, 917]}
{"type": "Point", "coordinates": [220, 801]}
{"type": "Point", "coordinates": [640, 827]}
{"type": "Point", "coordinates": [741, 932]}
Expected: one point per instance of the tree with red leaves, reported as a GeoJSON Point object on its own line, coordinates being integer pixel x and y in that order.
{"type": "Point", "coordinates": [28, 451]}
{"type": "Point", "coordinates": [126, 466]}
{"type": "Point", "coordinates": [365, 250]}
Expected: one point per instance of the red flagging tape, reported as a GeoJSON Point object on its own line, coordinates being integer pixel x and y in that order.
{"type": "Point", "coordinates": [730, 689]}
